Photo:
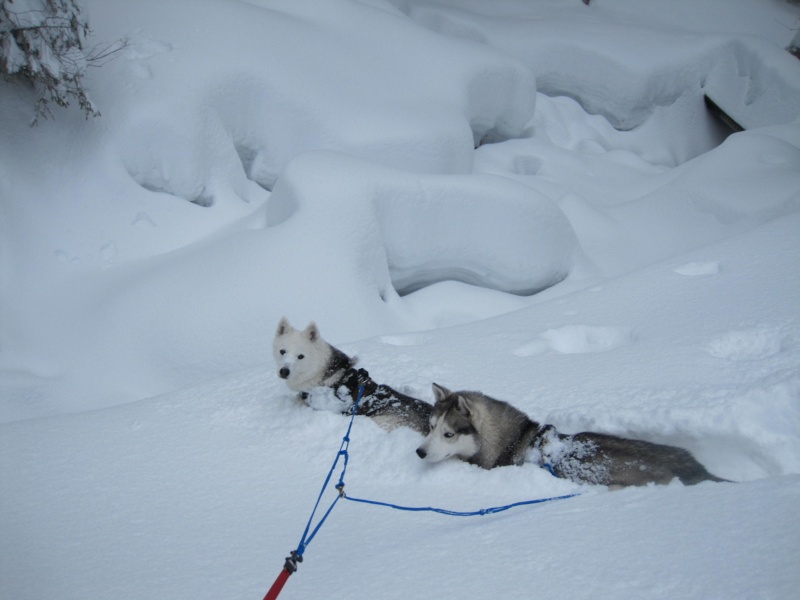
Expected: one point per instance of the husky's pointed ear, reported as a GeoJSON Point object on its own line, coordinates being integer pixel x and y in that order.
{"type": "Point", "coordinates": [464, 405]}
{"type": "Point", "coordinates": [439, 392]}
{"type": "Point", "coordinates": [283, 327]}
{"type": "Point", "coordinates": [312, 332]}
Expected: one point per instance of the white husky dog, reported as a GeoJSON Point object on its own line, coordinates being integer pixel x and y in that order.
{"type": "Point", "coordinates": [326, 378]}
{"type": "Point", "coordinates": [305, 360]}
{"type": "Point", "coordinates": [492, 433]}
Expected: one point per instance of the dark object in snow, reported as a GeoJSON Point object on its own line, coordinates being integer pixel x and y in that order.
{"type": "Point", "coordinates": [794, 47]}
{"type": "Point", "coordinates": [717, 111]}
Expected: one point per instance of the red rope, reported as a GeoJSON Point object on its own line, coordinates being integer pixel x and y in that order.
{"type": "Point", "coordinates": [276, 588]}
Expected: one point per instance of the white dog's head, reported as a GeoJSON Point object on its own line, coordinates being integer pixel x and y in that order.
{"type": "Point", "coordinates": [453, 431]}
{"type": "Point", "coordinates": [301, 356]}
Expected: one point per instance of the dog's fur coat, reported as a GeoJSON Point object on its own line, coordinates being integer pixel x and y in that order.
{"type": "Point", "coordinates": [492, 433]}
{"type": "Point", "coordinates": [324, 375]}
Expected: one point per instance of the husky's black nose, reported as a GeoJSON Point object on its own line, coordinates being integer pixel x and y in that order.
{"type": "Point", "coordinates": [421, 453]}
{"type": "Point", "coordinates": [284, 372]}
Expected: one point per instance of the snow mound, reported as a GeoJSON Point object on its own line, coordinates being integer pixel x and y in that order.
{"type": "Point", "coordinates": [431, 228]}
{"type": "Point", "coordinates": [188, 131]}
{"type": "Point", "coordinates": [577, 339]}
{"type": "Point", "coordinates": [633, 73]}
{"type": "Point", "coordinates": [754, 83]}
{"type": "Point", "coordinates": [747, 344]}
{"type": "Point", "coordinates": [698, 269]}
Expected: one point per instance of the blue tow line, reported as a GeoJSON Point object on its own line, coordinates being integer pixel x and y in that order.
{"type": "Point", "coordinates": [305, 540]}
{"type": "Point", "coordinates": [456, 513]}
{"type": "Point", "coordinates": [297, 555]}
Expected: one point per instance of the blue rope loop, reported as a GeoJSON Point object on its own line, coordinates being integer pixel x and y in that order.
{"type": "Point", "coordinates": [305, 540]}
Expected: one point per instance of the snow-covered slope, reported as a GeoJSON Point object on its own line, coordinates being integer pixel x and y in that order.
{"type": "Point", "coordinates": [318, 160]}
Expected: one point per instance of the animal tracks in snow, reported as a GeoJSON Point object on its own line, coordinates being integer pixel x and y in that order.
{"type": "Point", "coordinates": [577, 339]}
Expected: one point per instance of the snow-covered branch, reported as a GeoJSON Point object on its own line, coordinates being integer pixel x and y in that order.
{"type": "Point", "coordinates": [42, 42]}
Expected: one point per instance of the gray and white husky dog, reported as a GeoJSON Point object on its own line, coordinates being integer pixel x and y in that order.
{"type": "Point", "coordinates": [492, 433]}
{"type": "Point", "coordinates": [326, 378]}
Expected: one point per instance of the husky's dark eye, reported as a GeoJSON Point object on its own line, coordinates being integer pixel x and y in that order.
{"type": "Point", "coordinates": [301, 356]}
{"type": "Point", "coordinates": [448, 434]}
{"type": "Point", "coordinates": [283, 352]}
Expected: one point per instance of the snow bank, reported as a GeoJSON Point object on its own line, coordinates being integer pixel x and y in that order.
{"type": "Point", "coordinates": [429, 228]}
{"type": "Point", "coordinates": [160, 212]}
{"type": "Point", "coordinates": [709, 198]}
{"type": "Point", "coordinates": [631, 69]}
{"type": "Point", "coordinates": [275, 90]}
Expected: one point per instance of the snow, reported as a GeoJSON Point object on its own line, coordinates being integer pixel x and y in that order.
{"type": "Point", "coordinates": [607, 258]}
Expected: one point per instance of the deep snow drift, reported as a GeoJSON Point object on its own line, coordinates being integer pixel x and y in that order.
{"type": "Point", "coordinates": [408, 174]}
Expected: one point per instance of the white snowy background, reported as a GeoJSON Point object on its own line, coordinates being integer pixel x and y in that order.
{"type": "Point", "coordinates": [608, 258]}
